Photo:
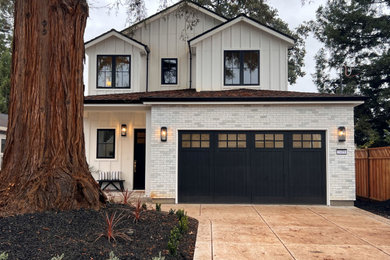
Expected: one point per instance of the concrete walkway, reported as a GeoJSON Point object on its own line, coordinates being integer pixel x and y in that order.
{"type": "Point", "coordinates": [287, 232]}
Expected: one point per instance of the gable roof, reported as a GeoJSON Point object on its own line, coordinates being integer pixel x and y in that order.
{"type": "Point", "coordinates": [119, 35]}
{"type": "Point", "coordinates": [236, 95]}
{"type": "Point", "coordinates": [175, 7]}
{"type": "Point", "coordinates": [243, 18]}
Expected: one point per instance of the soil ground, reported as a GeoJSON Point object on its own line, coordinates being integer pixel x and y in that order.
{"type": "Point", "coordinates": [381, 208]}
{"type": "Point", "coordinates": [75, 233]}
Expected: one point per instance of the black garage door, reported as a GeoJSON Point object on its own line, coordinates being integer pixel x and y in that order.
{"type": "Point", "coordinates": [252, 167]}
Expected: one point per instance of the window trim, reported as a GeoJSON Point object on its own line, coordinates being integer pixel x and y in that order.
{"type": "Point", "coordinates": [241, 68]}
{"type": "Point", "coordinates": [113, 56]}
{"type": "Point", "coordinates": [177, 72]}
{"type": "Point", "coordinates": [97, 142]}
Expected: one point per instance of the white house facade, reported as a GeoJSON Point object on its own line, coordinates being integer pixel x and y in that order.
{"type": "Point", "coordinates": [191, 107]}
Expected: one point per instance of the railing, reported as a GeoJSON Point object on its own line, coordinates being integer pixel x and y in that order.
{"type": "Point", "coordinates": [373, 173]}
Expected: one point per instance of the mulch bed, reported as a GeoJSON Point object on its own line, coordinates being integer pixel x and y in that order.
{"type": "Point", "coordinates": [74, 234]}
{"type": "Point", "coordinates": [381, 208]}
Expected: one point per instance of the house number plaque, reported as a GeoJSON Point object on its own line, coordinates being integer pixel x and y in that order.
{"type": "Point", "coordinates": [341, 151]}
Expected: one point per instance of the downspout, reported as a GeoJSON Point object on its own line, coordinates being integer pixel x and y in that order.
{"type": "Point", "coordinates": [189, 48]}
{"type": "Point", "coordinates": [147, 67]}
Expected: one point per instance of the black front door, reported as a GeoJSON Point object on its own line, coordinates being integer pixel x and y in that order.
{"type": "Point", "coordinates": [139, 159]}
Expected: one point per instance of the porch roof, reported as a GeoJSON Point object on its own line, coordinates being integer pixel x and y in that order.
{"type": "Point", "coordinates": [236, 95]}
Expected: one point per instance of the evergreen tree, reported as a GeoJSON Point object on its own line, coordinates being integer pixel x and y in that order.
{"type": "Point", "coordinates": [356, 59]}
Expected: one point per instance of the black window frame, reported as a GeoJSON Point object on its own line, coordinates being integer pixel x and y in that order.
{"type": "Point", "coordinates": [162, 72]}
{"type": "Point", "coordinates": [241, 54]}
{"type": "Point", "coordinates": [113, 72]}
{"type": "Point", "coordinates": [97, 142]}
{"type": "Point", "coordinates": [2, 148]}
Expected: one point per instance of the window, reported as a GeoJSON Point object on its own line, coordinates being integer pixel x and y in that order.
{"type": "Point", "coordinates": [241, 67]}
{"type": "Point", "coordinates": [105, 143]}
{"type": "Point", "coordinates": [113, 71]}
{"type": "Point", "coordinates": [308, 141]}
{"type": "Point", "coordinates": [2, 145]}
{"type": "Point", "coordinates": [195, 140]}
{"type": "Point", "coordinates": [231, 140]}
{"type": "Point", "coordinates": [269, 140]}
{"type": "Point", "coordinates": [169, 71]}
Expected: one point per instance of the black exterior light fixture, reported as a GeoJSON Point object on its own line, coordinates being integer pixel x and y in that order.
{"type": "Point", "coordinates": [164, 134]}
{"type": "Point", "coordinates": [123, 130]}
{"type": "Point", "coordinates": [341, 133]}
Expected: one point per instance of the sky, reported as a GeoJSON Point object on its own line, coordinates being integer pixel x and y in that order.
{"type": "Point", "coordinates": [291, 11]}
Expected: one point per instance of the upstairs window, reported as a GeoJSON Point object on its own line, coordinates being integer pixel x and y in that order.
{"type": "Point", "coordinates": [113, 71]}
{"type": "Point", "coordinates": [241, 68]}
{"type": "Point", "coordinates": [169, 71]}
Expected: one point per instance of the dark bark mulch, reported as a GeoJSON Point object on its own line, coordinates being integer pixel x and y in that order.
{"type": "Point", "coordinates": [74, 234]}
{"type": "Point", "coordinates": [381, 208]}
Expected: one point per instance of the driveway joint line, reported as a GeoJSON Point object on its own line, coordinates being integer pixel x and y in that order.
{"type": "Point", "coordinates": [281, 241]}
{"type": "Point", "coordinates": [372, 215]}
{"type": "Point", "coordinates": [346, 230]}
{"type": "Point", "coordinates": [211, 240]}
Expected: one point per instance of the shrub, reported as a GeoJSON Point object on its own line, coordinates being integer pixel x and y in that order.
{"type": "Point", "coordinates": [159, 257]}
{"type": "Point", "coordinates": [58, 257]}
{"type": "Point", "coordinates": [111, 227]}
{"type": "Point", "coordinates": [112, 256]}
{"type": "Point", "coordinates": [126, 197]}
{"type": "Point", "coordinates": [144, 207]}
{"type": "Point", "coordinates": [173, 242]}
{"type": "Point", "coordinates": [4, 256]}
{"type": "Point", "coordinates": [171, 211]}
{"type": "Point", "coordinates": [183, 224]}
{"type": "Point", "coordinates": [158, 207]}
{"type": "Point", "coordinates": [138, 210]}
{"type": "Point", "coordinates": [180, 213]}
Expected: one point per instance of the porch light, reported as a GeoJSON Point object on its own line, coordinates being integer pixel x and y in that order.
{"type": "Point", "coordinates": [123, 130]}
{"type": "Point", "coordinates": [341, 132]}
{"type": "Point", "coordinates": [163, 134]}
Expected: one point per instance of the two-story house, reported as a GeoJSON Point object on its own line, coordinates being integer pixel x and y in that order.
{"type": "Point", "coordinates": [192, 107]}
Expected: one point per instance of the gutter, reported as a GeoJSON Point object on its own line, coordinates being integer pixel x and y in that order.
{"type": "Point", "coordinates": [147, 67]}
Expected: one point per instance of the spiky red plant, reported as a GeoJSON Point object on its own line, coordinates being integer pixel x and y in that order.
{"type": "Point", "coordinates": [111, 231]}
{"type": "Point", "coordinates": [126, 197]}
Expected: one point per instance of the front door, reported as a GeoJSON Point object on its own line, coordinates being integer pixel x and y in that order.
{"type": "Point", "coordinates": [139, 159]}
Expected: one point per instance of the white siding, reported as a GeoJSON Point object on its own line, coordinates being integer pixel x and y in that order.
{"type": "Point", "coordinates": [116, 46]}
{"type": "Point", "coordinates": [241, 36]}
{"type": "Point", "coordinates": [124, 146]}
{"type": "Point", "coordinates": [164, 37]}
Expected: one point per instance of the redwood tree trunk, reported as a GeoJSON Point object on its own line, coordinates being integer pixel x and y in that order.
{"type": "Point", "coordinates": [44, 164]}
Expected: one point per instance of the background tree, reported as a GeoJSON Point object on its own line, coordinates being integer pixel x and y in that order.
{"type": "Point", "coordinates": [356, 59]}
{"type": "Point", "coordinates": [44, 164]}
{"type": "Point", "coordinates": [261, 11]}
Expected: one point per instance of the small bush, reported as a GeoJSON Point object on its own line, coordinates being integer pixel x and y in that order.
{"type": "Point", "coordinates": [159, 257]}
{"type": "Point", "coordinates": [173, 242]}
{"type": "Point", "coordinates": [137, 211]}
{"type": "Point", "coordinates": [4, 256]}
{"type": "Point", "coordinates": [144, 207]}
{"type": "Point", "coordinates": [58, 257]}
{"type": "Point", "coordinates": [112, 256]}
{"type": "Point", "coordinates": [158, 207]}
{"type": "Point", "coordinates": [171, 212]}
{"type": "Point", "coordinates": [183, 224]}
{"type": "Point", "coordinates": [180, 213]}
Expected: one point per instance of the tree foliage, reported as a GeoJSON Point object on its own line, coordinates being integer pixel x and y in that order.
{"type": "Point", "coordinates": [261, 11]}
{"type": "Point", "coordinates": [356, 59]}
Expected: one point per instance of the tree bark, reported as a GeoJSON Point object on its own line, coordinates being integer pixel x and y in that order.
{"type": "Point", "coordinates": [44, 165]}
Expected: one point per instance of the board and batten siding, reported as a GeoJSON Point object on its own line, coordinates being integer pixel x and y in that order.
{"type": "Point", "coordinates": [124, 146]}
{"type": "Point", "coordinates": [241, 36]}
{"type": "Point", "coordinates": [116, 46]}
{"type": "Point", "coordinates": [167, 38]}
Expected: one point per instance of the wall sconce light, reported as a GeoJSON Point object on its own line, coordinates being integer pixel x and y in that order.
{"type": "Point", "coordinates": [341, 132]}
{"type": "Point", "coordinates": [123, 130]}
{"type": "Point", "coordinates": [163, 134]}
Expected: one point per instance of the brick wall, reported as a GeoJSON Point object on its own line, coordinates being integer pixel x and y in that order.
{"type": "Point", "coordinates": [163, 155]}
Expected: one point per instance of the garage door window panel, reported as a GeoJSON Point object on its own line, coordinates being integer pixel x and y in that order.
{"type": "Point", "coordinates": [307, 141]}
{"type": "Point", "coordinates": [195, 140]}
{"type": "Point", "coordinates": [269, 141]}
{"type": "Point", "coordinates": [232, 140]}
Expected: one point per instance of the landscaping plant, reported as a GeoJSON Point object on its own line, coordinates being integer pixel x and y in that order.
{"type": "Point", "coordinates": [159, 257]}
{"type": "Point", "coordinates": [4, 256]}
{"type": "Point", "coordinates": [183, 224]}
{"type": "Point", "coordinates": [144, 207]}
{"type": "Point", "coordinates": [138, 210]}
{"type": "Point", "coordinates": [126, 197]}
{"type": "Point", "coordinates": [171, 211]}
{"type": "Point", "coordinates": [180, 213]}
{"type": "Point", "coordinates": [173, 242]}
{"type": "Point", "coordinates": [111, 224]}
{"type": "Point", "coordinates": [58, 257]}
{"type": "Point", "coordinates": [158, 207]}
{"type": "Point", "coordinates": [112, 256]}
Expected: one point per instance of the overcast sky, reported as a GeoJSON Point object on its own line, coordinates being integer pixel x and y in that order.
{"type": "Point", "coordinates": [291, 11]}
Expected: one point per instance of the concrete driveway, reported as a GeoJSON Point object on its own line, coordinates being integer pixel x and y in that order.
{"type": "Point", "coordinates": [288, 232]}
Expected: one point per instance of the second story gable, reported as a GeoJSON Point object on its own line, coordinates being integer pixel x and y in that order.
{"type": "Point", "coordinates": [187, 46]}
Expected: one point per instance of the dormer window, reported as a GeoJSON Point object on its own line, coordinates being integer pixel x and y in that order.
{"type": "Point", "coordinates": [169, 71]}
{"type": "Point", "coordinates": [113, 71]}
{"type": "Point", "coordinates": [241, 68]}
